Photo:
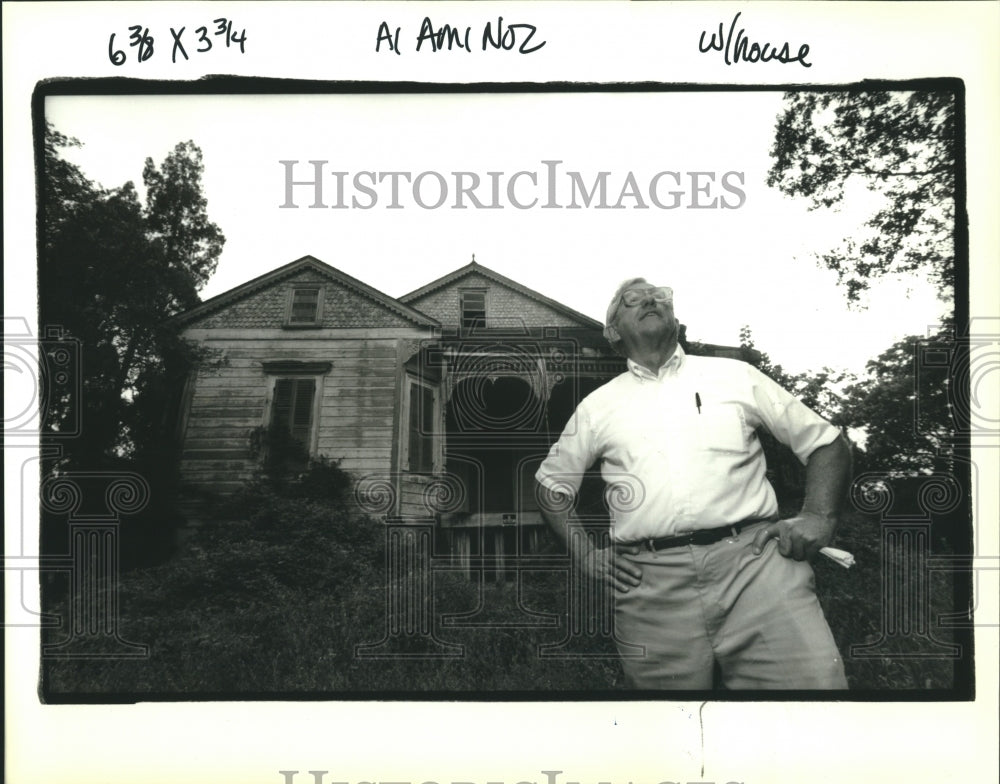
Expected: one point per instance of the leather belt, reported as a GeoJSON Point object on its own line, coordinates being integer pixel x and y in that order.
{"type": "Point", "coordinates": [703, 537]}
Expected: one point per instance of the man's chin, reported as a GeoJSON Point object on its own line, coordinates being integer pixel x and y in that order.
{"type": "Point", "coordinates": [655, 326]}
{"type": "Point", "coordinates": [659, 333]}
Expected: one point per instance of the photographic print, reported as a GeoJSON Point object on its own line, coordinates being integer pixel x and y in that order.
{"type": "Point", "coordinates": [597, 391]}
{"type": "Point", "coordinates": [350, 427]}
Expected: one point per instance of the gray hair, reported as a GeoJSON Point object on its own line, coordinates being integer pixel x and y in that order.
{"type": "Point", "coordinates": [613, 306]}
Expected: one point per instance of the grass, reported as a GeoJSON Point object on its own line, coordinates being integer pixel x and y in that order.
{"type": "Point", "coordinates": [853, 600]}
{"type": "Point", "coordinates": [276, 601]}
{"type": "Point", "coordinates": [218, 623]}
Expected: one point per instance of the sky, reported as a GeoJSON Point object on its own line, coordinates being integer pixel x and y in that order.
{"type": "Point", "coordinates": [748, 261]}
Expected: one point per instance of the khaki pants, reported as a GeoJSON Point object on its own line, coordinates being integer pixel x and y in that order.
{"type": "Point", "coordinates": [756, 616]}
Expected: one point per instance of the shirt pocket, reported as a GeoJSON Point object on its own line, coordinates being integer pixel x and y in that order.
{"type": "Point", "coordinates": [722, 429]}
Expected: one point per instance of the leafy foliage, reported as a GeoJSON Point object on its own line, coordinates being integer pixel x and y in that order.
{"type": "Point", "coordinates": [111, 272]}
{"type": "Point", "coordinates": [903, 406]}
{"type": "Point", "coordinates": [900, 412]}
{"type": "Point", "coordinates": [275, 595]}
{"type": "Point", "coordinates": [276, 602]}
{"type": "Point", "coordinates": [898, 145]}
{"type": "Point", "coordinates": [177, 224]}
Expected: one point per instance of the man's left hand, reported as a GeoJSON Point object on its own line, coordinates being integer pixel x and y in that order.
{"type": "Point", "coordinates": [799, 537]}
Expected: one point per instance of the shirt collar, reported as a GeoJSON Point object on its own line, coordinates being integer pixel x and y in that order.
{"type": "Point", "coordinates": [672, 365]}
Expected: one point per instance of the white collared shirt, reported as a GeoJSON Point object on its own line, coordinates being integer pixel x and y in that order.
{"type": "Point", "coordinates": [678, 449]}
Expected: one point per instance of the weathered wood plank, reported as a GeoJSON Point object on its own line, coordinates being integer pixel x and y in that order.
{"type": "Point", "coordinates": [270, 335]}
{"type": "Point", "coordinates": [236, 390]}
{"type": "Point", "coordinates": [348, 411]}
{"type": "Point", "coordinates": [381, 436]}
{"type": "Point", "coordinates": [357, 420]}
{"type": "Point", "coordinates": [254, 365]}
{"type": "Point", "coordinates": [239, 444]}
{"type": "Point", "coordinates": [214, 470]}
{"type": "Point", "coordinates": [237, 387]}
{"type": "Point", "coordinates": [222, 427]}
{"type": "Point", "coordinates": [352, 447]}
{"type": "Point", "coordinates": [218, 453]}
{"type": "Point", "coordinates": [332, 350]}
{"type": "Point", "coordinates": [380, 395]}
{"type": "Point", "coordinates": [206, 439]}
{"type": "Point", "coordinates": [235, 381]}
{"type": "Point", "coordinates": [343, 416]}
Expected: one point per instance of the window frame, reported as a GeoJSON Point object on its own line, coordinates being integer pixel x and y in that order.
{"type": "Point", "coordinates": [462, 293]}
{"type": "Point", "coordinates": [290, 306]}
{"type": "Point", "coordinates": [435, 435]}
{"type": "Point", "coordinates": [278, 371]}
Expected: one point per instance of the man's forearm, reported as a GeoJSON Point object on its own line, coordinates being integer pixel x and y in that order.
{"type": "Point", "coordinates": [556, 509]}
{"type": "Point", "coordinates": [828, 472]}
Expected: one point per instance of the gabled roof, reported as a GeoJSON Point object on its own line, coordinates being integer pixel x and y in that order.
{"type": "Point", "coordinates": [306, 262]}
{"type": "Point", "coordinates": [475, 268]}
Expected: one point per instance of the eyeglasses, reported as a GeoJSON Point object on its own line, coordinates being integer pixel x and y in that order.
{"type": "Point", "coordinates": [633, 297]}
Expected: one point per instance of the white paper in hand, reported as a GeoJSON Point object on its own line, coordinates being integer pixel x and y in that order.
{"type": "Point", "coordinates": [841, 557]}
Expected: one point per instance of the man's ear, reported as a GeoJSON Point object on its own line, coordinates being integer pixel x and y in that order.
{"type": "Point", "coordinates": [613, 333]}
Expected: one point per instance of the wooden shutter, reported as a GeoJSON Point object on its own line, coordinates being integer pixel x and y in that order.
{"type": "Point", "coordinates": [473, 309]}
{"type": "Point", "coordinates": [283, 397]}
{"type": "Point", "coordinates": [302, 411]}
{"type": "Point", "coordinates": [429, 427]}
{"type": "Point", "coordinates": [305, 306]}
{"type": "Point", "coordinates": [421, 428]}
{"type": "Point", "coordinates": [414, 434]}
{"type": "Point", "coordinates": [293, 408]}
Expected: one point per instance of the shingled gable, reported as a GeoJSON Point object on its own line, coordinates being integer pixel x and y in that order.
{"type": "Point", "coordinates": [434, 300]}
{"type": "Point", "coordinates": [293, 270]}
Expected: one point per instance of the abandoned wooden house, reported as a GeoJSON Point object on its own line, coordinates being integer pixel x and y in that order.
{"type": "Point", "coordinates": [440, 403]}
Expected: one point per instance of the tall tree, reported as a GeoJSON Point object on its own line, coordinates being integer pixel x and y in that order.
{"type": "Point", "coordinates": [817, 389]}
{"type": "Point", "coordinates": [177, 223]}
{"type": "Point", "coordinates": [900, 146]}
{"type": "Point", "coordinates": [903, 406]}
{"type": "Point", "coordinates": [110, 273]}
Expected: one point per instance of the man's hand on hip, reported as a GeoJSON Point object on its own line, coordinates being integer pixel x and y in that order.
{"type": "Point", "coordinates": [609, 565]}
{"type": "Point", "coordinates": [799, 537]}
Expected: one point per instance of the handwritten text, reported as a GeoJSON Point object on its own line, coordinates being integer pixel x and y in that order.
{"type": "Point", "coordinates": [501, 36]}
{"type": "Point", "coordinates": [203, 39]}
{"type": "Point", "coordinates": [737, 47]}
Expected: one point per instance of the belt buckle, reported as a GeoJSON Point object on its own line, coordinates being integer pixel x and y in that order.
{"type": "Point", "coordinates": [650, 545]}
{"type": "Point", "coordinates": [735, 535]}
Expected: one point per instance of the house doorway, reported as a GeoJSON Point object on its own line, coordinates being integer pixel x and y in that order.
{"type": "Point", "coordinates": [491, 429]}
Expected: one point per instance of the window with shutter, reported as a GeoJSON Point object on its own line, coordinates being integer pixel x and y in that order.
{"type": "Point", "coordinates": [473, 309]}
{"type": "Point", "coordinates": [292, 416]}
{"type": "Point", "coordinates": [304, 309]}
{"type": "Point", "coordinates": [421, 428]}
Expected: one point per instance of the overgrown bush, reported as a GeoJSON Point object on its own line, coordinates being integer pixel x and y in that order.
{"type": "Point", "coordinates": [299, 532]}
{"type": "Point", "coordinates": [288, 591]}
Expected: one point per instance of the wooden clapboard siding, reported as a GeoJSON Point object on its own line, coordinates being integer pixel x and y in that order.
{"type": "Point", "coordinates": [355, 351]}
{"type": "Point", "coordinates": [412, 501]}
{"type": "Point", "coordinates": [357, 411]}
{"type": "Point", "coordinates": [341, 343]}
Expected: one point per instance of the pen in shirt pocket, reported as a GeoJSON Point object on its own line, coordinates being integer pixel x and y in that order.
{"type": "Point", "coordinates": [697, 402]}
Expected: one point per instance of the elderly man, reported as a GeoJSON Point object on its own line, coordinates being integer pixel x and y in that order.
{"type": "Point", "coordinates": [706, 576]}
